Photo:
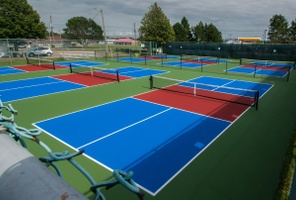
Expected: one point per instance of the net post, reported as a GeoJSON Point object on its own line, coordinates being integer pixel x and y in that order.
{"type": "Point", "coordinates": [117, 76]}
{"type": "Point", "coordinates": [288, 75]}
{"type": "Point", "coordinates": [255, 70]}
{"type": "Point", "coordinates": [92, 71]}
{"type": "Point", "coordinates": [201, 66]}
{"type": "Point", "coordinates": [71, 70]}
{"type": "Point", "coordinates": [256, 99]}
{"type": "Point", "coordinates": [162, 61]}
{"type": "Point", "coordinates": [53, 64]}
{"type": "Point", "coordinates": [240, 61]}
{"type": "Point", "coordinates": [226, 67]}
{"type": "Point", "coordinates": [27, 60]}
{"type": "Point", "coordinates": [194, 92]}
{"type": "Point", "coordinates": [145, 58]}
{"type": "Point", "coordinates": [151, 81]}
{"type": "Point", "coordinates": [181, 60]}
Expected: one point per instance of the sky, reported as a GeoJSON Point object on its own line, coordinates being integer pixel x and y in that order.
{"type": "Point", "coordinates": [233, 18]}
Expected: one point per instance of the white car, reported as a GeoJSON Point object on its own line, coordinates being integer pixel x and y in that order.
{"type": "Point", "coordinates": [39, 51]}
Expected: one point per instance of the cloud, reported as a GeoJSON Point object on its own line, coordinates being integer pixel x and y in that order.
{"type": "Point", "coordinates": [231, 17]}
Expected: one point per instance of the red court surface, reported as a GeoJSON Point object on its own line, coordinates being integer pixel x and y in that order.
{"type": "Point", "coordinates": [32, 68]}
{"type": "Point", "coordinates": [202, 105]}
{"type": "Point", "coordinates": [87, 79]}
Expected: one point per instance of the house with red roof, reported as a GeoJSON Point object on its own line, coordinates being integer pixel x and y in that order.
{"type": "Point", "coordinates": [124, 41]}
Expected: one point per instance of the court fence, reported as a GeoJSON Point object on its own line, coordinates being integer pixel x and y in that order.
{"type": "Point", "coordinates": [18, 48]}
{"type": "Point", "coordinates": [234, 51]}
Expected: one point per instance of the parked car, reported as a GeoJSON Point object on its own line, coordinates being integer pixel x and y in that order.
{"type": "Point", "coordinates": [39, 51]}
{"type": "Point", "coordinates": [22, 45]}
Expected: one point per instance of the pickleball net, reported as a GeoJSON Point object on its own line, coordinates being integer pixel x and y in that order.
{"type": "Point", "coordinates": [286, 65]}
{"type": "Point", "coordinates": [216, 92]}
{"type": "Point", "coordinates": [41, 62]}
{"type": "Point", "coordinates": [95, 71]}
{"type": "Point", "coordinates": [199, 59]}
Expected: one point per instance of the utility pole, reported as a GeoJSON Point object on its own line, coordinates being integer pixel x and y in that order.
{"type": "Point", "coordinates": [51, 30]}
{"type": "Point", "coordinates": [105, 36]}
{"type": "Point", "coordinates": [135, 31]}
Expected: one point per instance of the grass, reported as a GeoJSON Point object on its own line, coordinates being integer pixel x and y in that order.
{"type": "Point", "coordinates": [244, 163]}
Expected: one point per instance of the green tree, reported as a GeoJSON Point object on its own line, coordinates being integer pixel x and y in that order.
{"type": "Point", "coordinates": [199, 32]}
{"type": "Point", "coordinates": [278, 29]}
{"type": "Point", "coordinates": [180, 35]}
{"type": "Point", "coordinates": [156, 26]}
{"type": "Point", "coordinates": [213, 34]}
{"type": "Point", "coordinates": [19, 20]}
{"type": "Point", "coordinates": [182, 31]}
{"type": "Point", "coordinates": [292, 31]}
{"type": "Point", "coordinates": [206, 33]}
{"type": "Point", "coordinates": [83, 29]}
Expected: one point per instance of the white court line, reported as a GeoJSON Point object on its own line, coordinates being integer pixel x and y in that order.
{"type": "Point", "coordinates": [119, 130]}
{"type": "Point", "coordinates": [36, 85]}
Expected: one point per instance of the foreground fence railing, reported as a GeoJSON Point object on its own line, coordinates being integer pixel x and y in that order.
{"type": "Point", "coordinates": [20, 134]}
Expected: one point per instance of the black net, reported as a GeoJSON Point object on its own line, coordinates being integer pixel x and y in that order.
{"type": "Point", "coordinates": [267, 64]}
{"type": "Point", "coordinates": [99, 72]}
{"type": "Point", "coordinates": [41, 62]}
{"type": "Point", "coordinates": [223, 93]}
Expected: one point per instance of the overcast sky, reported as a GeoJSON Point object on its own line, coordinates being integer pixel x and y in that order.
{"type": "Point", "coordinates": [234, 18]}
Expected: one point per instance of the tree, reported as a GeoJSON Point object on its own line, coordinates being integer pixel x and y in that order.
{"type": "Point", "coordinates": [182, 31]}
{"type": "Point", "coordinates": [206, 33]}
{"type": "Point", "coordinates": [156, 27]}
{"type": "Point", "coordinates": [19, 20]}
{"type": "Point", "coordinates": [179, 32]}
{"type": "Point", "coordinates": [186, 28]}
{"type": "Point", "coordinates": [292, 31]}
{"type": "Point", "coordinates": [278, 29]}
{"type": "Point", "coordinates": [213, 34]}
{"type": "Point", "coordinates": [198, 32]}
{"type": "Point", "coordinates": [83, 29]}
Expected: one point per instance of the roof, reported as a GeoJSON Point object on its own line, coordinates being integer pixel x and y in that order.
{"type": "Point", "coordinates": [249, 39]}
{"type": "Point", "coordinates": [124, 40]}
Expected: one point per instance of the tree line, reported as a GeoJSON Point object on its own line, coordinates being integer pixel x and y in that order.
{"type": "Point", "coordinates": [19, 20]}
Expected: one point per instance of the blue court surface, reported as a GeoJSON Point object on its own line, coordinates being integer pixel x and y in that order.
{"type": "Point", "coordinates": [253, 71]}
{"type": "Point", "coordinates": [154, 141]}
{"type": "Point", "coordinates": [230, 86]}
{"type": "Point", "coordinates": [195, 62]}
{"type": "Point", "coordinates": [272, 64]}
{"type": "Point", "coordinates": [33, 87]}
{"type": "Point", "coordinates": [137, 72]}
{"type": "Point", "coordinates": [27, 88]}
{"type": "Point", "coordinates": [182, 64]}
{"type": "Point", "coordinates": [133, 59]}
{"type": "Point", "coordinates": [9, 70]}
{"type": "Point", "coordinates": [164, 57]}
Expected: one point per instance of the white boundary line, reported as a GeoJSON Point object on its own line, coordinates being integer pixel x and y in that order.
{"type": "Point", "coordinates": [126, 127]}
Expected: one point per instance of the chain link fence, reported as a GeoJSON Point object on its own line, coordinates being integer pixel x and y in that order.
{"type": "Point", "coordinates": [234, 51]}
{"type": "Point", "coordinates": [61, 48]}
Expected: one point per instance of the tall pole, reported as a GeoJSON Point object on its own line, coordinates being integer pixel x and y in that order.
{"type": "Point", "coordinates": [105, 36]}
{"type": "Point", "coordinates": [51, 31]}
{"type": "Point", "coordinates": [135, 32]}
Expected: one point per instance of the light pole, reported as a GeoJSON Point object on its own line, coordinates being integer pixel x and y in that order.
{"type": "Point", "coordinates": [104, 30]}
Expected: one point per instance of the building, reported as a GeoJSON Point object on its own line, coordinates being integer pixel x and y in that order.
{"type": "Point", "coordinates": [124, 41]}
{"type": "Point", "coordinates": [249, 39]}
